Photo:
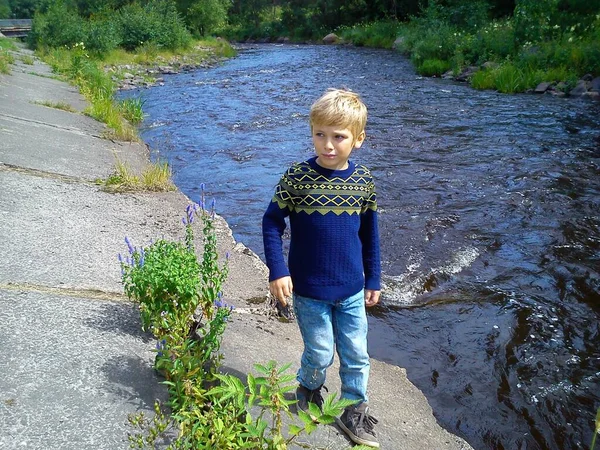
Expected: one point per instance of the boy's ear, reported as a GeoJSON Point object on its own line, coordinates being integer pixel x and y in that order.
{"type": "Point", "coordinates": [359, 139]}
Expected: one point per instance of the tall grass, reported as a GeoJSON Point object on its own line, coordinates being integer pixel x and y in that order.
{"type": "Point", "coordinates": [155, 177]}
{"type": "Point", "coordinates": [380, 34]}
{"type": "Point", "coordinates": [6, 58]}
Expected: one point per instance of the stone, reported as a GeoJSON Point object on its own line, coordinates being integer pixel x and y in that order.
{"type": "Point", "coordinates": [127, 75]}
{"type": "Point", "coordinates": [587, 77]}
{"type": "Point", "coordinates": [398, 43]}
{"type": "Point", "coordinates": [558, 93]}
{"type": "Point", "coordinates": [467, 73]}
{"type": "Point", "coordinates": [542, 87]}
{"type": "Point", "coordinates": [595, 85]}
{"type": "Point", "coordinates": [578, 90]}
{"type": "Point", "coordinates": [331, 38]}
{"type": "Point", "coordinates": [448, 75]}
{"type": "Point", "coordinates": [593, 94]}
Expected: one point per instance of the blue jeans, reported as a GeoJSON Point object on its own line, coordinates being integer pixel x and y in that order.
{"type": "Point", "coordinates": [340, 324]}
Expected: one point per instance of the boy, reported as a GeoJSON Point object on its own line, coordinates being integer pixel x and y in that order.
{"type": "Point", "coordinates": [334, 264]}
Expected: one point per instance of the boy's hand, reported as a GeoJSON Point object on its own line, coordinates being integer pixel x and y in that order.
{"type": "Point", "coordinates": [281, 289]}
{"type": "Point", "coordinates": [371, 297]}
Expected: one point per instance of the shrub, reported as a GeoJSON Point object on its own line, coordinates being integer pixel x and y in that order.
{"type": "Point", "coordinates": [58, 26]}
{"type": "Point", "coordinates": [157, 22]}
{"type": "Point", "coordinates": [101, 36]}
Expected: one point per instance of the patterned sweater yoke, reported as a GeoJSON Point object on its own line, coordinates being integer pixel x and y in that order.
{"type": "Point", "coordinates": [334, 245]}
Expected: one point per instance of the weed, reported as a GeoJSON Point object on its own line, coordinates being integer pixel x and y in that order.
{"type": "Point", "coordinates": [132, 110]}
{"type": "Point", "coordinates": [156, 177]}
{"type": "Point", "coordinates": [56, 105]}
{"type": "Point", "coordinates": [27, 59]}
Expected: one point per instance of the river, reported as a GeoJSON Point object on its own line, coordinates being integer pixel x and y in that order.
{"type": "Point", "coordinates": [490, 223]}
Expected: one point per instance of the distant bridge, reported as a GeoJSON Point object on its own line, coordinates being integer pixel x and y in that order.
{"type": "Point", "coordinates": [15, 27]}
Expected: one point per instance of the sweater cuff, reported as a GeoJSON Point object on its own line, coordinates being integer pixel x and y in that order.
{"type": "Point", "coordinates": [373, 284]}
{"type": "Point", "coordinates": [278, 272]}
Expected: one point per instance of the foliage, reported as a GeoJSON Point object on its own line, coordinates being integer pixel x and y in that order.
{"type": "Point", "coordinates": [380, 34]}
{"type": "Point", "coordinates": [23, 9]}
{"type": "Point", "coordinates": [132, 109]}
{"type": "Point", "coordinates": [58, 26]}
{"type": "Point", "coordinates": [180, 301]}
{"type": "Point", "coordinates": [157, 21]}
{"type": "Point", "coordinates": [433, 67]}
{"type": "Point", "coordinates": [6, 58]}
{"type": "Point", "coordinates": [596, 430]}
{"type": "Point", "coordinates": [170, 284]}
{"type": "Point", "coordinates": [538, 44]}
{"type": "Point", "coordinates": [5, 11]}
{"type": "Point", "coordinates": [204, 17]}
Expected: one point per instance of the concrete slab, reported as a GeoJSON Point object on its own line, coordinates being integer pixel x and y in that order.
{"type": "Point", "coordinates": [73, 369]}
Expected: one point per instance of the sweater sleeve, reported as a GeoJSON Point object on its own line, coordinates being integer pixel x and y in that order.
{"type": "Point", "coordinates": [369, 236]}
{"type": "Point", "coordinates": [273, 226]}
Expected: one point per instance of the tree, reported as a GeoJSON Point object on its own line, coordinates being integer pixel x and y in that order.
{"type": "Point", "coordinates": [5, 12]}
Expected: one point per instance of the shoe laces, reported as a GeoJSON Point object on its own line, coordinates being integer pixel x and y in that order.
{"type": "Point", "coordinates": [315, 396]}
{"type": "Point", "coordinates": [365, 421]}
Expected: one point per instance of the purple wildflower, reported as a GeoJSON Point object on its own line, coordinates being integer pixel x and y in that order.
{"type": "Point", "coordinates": [129, 246]}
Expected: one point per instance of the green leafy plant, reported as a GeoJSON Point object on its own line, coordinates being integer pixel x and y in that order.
{"type": "Point", "coordinates": [596, 430]}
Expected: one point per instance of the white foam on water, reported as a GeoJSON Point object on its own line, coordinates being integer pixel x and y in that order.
{"type": "Point", "coordinates": [404, 289]}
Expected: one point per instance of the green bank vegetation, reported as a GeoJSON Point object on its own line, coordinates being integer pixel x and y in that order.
{"type": "Point", "coordinates": [57, 105]}
{"type": "Point", "coordinates": [155, 177]}
{"type": "Point", "coordinates": [181, 304]}
{"type": "Point", "coordinates": [6, 58]}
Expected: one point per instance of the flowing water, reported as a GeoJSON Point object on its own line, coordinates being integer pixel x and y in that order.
{"type": "Point", "coordinates": [490, 223]}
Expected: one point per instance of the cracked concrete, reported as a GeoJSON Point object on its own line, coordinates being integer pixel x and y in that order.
{"type": "Point", "coordinates": [75, 363]}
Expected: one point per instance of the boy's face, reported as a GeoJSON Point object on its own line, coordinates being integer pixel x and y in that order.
{"type": "Point", "coordinates": [334, 144]}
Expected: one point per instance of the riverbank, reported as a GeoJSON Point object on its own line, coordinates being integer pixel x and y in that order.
{"type": "Point", "coordinates": [76, 361]}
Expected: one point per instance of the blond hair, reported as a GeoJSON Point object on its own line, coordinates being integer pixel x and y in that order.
{"type": "Point", "coordinates": [339, 107]}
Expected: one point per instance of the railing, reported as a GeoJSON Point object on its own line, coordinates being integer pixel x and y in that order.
{"type": "Point", "coordinates": [15, 27]}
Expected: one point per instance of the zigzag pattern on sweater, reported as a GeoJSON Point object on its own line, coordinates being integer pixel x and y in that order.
{"type": "Point", "coordinates": [304, 189]}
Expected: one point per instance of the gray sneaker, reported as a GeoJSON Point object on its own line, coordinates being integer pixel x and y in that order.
{"type": "Point", "coordinates": [304, 396]}
{"type": "Point", "coordinates": [358, 425]}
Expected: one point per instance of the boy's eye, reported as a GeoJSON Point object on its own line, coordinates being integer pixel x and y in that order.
{"type": "Point", "coordinates": [340, 136]}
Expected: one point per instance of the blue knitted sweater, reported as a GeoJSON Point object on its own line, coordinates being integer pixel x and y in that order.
{"type": "Point", "coordinates": [334, 247]}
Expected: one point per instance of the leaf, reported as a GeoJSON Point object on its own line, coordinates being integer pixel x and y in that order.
{"type": "Point", "coordinates": [295, 430]}
{"type": "Point", "coordinates": [284, 368]}
{"type": "Point", "coordinates": [314, 410]}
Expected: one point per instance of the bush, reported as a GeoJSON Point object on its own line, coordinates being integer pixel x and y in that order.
{"type": "Point", "coordinates": [101, 36]}
{"type": "Point", "coordinates": [380, 34]}
{"type": "Point", "coordinates": [58, 26]}
{"type": "Point", "coordinates": [157, 22]}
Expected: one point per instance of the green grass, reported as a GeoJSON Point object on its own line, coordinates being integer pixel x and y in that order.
{"type": "Point", "coordinates": [27, 59]}
{"type": "Point", "coordinates": [56, 105]}
{"type": "Point", "coordinates": [156, 177]}
{"type": "Point", "coordinates": [132, 110]}
{"type": "Point", "coordinates": [6, 58]}
{"type": "Point", "coordinates": [433, 67]}
{"type": "Point", "coordinates": [7, 44]}
{"type": "Point", "coordinates": [380, 34]}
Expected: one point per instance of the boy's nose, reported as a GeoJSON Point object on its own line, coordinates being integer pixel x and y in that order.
{"type": "Point", "coordinates": [328, 145]}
